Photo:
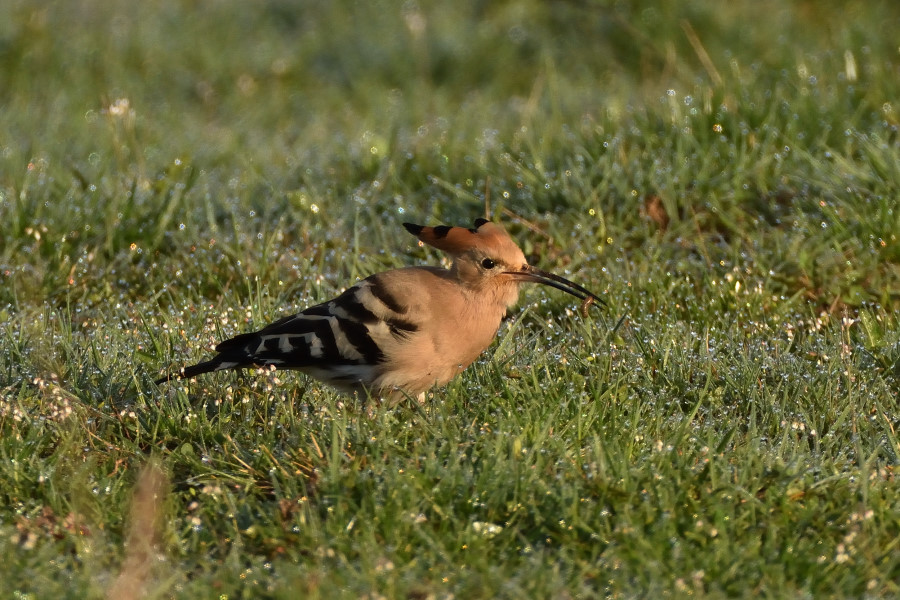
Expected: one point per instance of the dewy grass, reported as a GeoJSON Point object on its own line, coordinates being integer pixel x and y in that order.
{"type": "Point", "coordinates": [726, 176]}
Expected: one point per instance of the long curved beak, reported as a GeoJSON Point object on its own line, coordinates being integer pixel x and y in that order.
{"type": "Point", "coordinates": [529, 273]}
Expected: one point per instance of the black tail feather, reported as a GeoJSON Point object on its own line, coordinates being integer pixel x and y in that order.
{"type": "Point", "coordinates": [198, 369]}
{"type": "Point", "coordinates": [244, 351]}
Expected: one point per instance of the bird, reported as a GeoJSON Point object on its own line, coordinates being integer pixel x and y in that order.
{"type": "Point", "coordinates": [401, 332]}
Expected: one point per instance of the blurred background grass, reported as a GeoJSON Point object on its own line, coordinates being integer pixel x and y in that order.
{"type": "Point", "coordinates": [173, 172]}
{"type": "Point", "coordinates": [164, 124]}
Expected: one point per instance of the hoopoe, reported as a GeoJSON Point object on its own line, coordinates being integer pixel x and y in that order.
{"type": "Point", "coordinates": [404, 331]}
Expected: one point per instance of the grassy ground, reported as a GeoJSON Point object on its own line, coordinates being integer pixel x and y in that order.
{"type": "Point", "coordinates": [174, 173]}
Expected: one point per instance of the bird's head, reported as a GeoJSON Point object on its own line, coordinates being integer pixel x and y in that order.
{"type": "Point", "coordinates": [485, 258]}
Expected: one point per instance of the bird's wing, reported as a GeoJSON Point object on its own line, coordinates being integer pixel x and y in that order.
{"type": "Point", "coordinates": [348, 336]}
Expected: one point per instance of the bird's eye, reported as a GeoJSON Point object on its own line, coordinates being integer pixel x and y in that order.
{"type": "Point", "coordinates": [488, 263]}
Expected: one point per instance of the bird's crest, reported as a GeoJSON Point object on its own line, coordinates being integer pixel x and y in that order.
{"type": "Point", "coordinates": [456, 241]}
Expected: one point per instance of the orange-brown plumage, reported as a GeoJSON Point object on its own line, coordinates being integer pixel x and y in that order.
{"type": "Point", "coordinates": [404, 331]}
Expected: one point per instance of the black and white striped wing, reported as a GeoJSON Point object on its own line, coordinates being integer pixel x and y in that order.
{"type": "Point", "coordinates": [342, 341]}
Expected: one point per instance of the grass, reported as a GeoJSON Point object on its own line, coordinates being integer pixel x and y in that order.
{"type": "Point", "coordinates": [727, 177]}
